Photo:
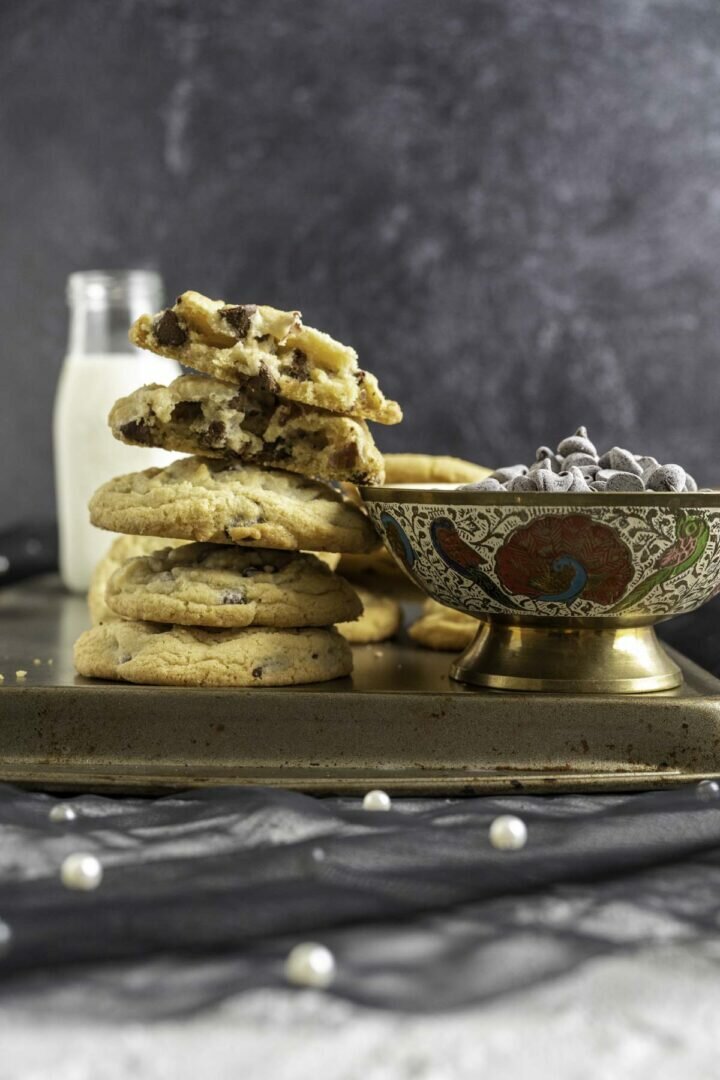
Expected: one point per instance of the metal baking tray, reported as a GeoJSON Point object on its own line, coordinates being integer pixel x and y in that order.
{"type": "Point", "coordinates": [399, 723]}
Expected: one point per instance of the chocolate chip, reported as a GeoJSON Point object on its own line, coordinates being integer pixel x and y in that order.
{"type": "Point", "coordinates": [265, 380]}
{"type": "Point", "coordinates": [346, 457]}
{"type": "Point", "coordinates": [187, 411]}
{"type": "Point", "coordinates": [288, 411]}
{"type": "Point", "coordinates": [280, 451]}
{"type": "Point", "coordinates": [360, 376]}
{"type": "Point", "coordinates": [257, 672]}
{"type": "Point", "coordinates": [168, 329]}
{"type": "Point", "coordinates": [233, 598]}
{"type": "Point", "coordinates": [508, 473]}
{"type": "Point", "coordinates": [256, 419]}
{"type": "Point", "coordinates": [238, 316]}
{"type": "Point", "coordinates": [137, 431]}
{"type": "Point", "coordinates": [580, 460]}
{"type": "Point", "coordinates": [255, 423]}
{"type": "Point", "coordinates": [214, 435]}
{"type": "Point", "coordinates": [314, 656]}
{"type": "Point", "coordinates": [622, 481]}
{"type": "Point", "coordinates": [620, 460]}
{"type": "Point", "coordinates": [543, 465]}
{"type": "Point", "coordinates": [298, 368]}
{"type": "Point", "coordinates": [667, 478]}
{"type": "Point", "coordinates": [576, 444]}
{"type": "Point", "coordinates": [262, 383]}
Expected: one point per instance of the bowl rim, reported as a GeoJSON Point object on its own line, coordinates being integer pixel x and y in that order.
{"type": "Point", "coordinates": [449, 495]}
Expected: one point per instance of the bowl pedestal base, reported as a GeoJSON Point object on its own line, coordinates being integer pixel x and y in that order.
{"type": "Point", "coordinates": [567, 660]}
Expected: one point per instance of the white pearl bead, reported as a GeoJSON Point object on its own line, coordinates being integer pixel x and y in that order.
{"type": "Point", "coordinates": [508, 833]}
{"type": "Point", "coordinates": [377, 800]}
{"type": "Point", "coordinates": [81, 871]}
{"type": "Point", "coordinates": [310, 964]}
{"type": "Point", "coordinates": [62, 812]}
{"type": "Point", "coordinates": [708, 789]}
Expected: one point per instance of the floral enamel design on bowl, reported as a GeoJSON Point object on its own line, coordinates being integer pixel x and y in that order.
{"type": "Point", "coordinates": [555, 562]}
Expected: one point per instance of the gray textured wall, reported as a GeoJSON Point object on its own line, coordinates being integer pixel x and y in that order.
{"type": "Point", "coordinates": [510, 207]}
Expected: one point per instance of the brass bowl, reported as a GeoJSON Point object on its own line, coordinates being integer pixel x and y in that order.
{"type": "Point", "coordinates": [569, 587]}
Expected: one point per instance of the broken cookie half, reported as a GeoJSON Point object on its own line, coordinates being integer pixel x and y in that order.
{"type": "Point", "coordinates": [237, 342]}
{"type": "Point", "coordinates": [197, 414]}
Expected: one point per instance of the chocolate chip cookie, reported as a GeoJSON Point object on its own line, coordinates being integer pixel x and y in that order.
{"type": "Point", "coordinates": [443, 628]}
{"type": "Point", "coordinates": [151, 653]}
{"type": "Point", "coordinates": [431, 469]}
{"type": "Point", "coordinates": [201, 415]}
{"type": "Point", "coordinates": [122, 549]}
{"type": "Point", "coordinates": [272, 348]}
{"type": "Point", "coordinates": [381, 618]}
{"type": "Point", "coordinates": [228, 502]}
{"type": "Point", "coordinates": [213, 585]}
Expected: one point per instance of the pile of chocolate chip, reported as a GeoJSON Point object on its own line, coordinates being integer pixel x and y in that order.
{"type": "Point", "coordinates": [577, 467]}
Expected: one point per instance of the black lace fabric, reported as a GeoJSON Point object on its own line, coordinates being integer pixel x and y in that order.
{"type": "Point", "coordinates": [205, 892]}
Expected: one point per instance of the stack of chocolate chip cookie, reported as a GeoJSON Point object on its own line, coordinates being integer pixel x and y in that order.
{"type": "Point", "coordinates": [279, 409]}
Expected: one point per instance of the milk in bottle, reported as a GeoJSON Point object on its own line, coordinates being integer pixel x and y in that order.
{"type": "Point", "coordinates": [100, 366]}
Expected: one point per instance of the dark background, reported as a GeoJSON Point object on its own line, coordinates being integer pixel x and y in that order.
{"type": "Point", "coordinates": [511, 208]}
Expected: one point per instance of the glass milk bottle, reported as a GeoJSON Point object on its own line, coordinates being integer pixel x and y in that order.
{"type": "Point", "coordinates": [100, 366]}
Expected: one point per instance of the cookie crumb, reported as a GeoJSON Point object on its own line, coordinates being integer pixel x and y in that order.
{"type": "Point", "coordinates": [20, 674]}
{"type": "Point", "coordinates": [377, 652]}
{"type": "Point", "coordinates": [37, 661]}
{"type": "Point", "coordinates": [50, 662]}
{"type": "Point", "coordinates": [2, 678]}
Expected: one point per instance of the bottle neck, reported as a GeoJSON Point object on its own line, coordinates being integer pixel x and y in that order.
{"type": "Point", "coordinates": [99, 330]}
{"type": "Point", "coordinates": [103, 306]}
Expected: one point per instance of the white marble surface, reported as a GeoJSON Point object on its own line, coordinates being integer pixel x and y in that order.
{"type": "Point", "coordinates": [653, 1014]}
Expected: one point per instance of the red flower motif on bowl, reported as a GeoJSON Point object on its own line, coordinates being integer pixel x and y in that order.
{"type": "Point", "coordinates": [560, 557]}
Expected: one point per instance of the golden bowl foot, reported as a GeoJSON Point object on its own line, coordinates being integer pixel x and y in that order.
{"type": "Point", "coordinates": [555, 660]}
